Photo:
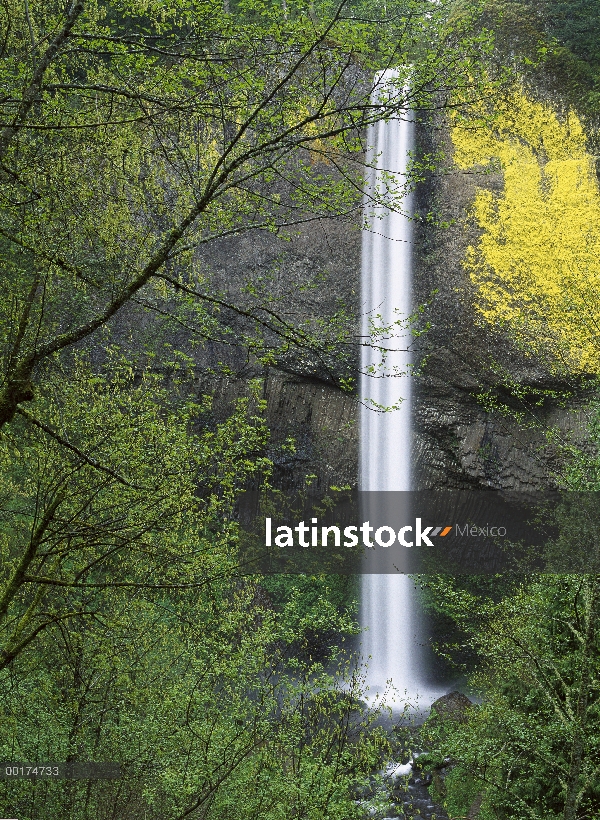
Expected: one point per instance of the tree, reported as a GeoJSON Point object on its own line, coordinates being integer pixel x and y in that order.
{"type": "Point", "coordinates": [531, 747]}
{"type": "Point", "coordinates": [133, 134]}
{"type": "Point", "coordinates": [194, 693]}
{"type": "Point", "coordinates": [128, 632]}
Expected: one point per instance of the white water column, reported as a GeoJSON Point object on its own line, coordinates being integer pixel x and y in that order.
{"type": "Point", "coordinates": [387, 601]}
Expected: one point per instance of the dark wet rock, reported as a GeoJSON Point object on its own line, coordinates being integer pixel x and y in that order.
{"type": "Point", "coordinates": [453, 706]}
{"type": "Point", "coordinates": [475, 807]}
{"type": "Point", "coordinates": [394, 811]}
{"type": "Point", "coordinates": [415, 801]}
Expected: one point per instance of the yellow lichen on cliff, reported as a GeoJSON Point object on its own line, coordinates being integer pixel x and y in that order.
{"type": "Point", "coordinates": [536, 266]}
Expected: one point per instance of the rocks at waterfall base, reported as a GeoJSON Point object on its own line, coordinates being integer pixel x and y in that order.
{"type": "Point", "coordinates": [402, 790]}
{"type": "Point", "coordinates": [406, 796]}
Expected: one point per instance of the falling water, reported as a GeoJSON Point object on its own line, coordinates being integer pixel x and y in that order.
{"type": "Point", "coordinates": [388, 606]}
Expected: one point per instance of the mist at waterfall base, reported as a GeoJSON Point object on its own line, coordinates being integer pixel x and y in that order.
{"type": "Point", "coordinates": [393, 640]}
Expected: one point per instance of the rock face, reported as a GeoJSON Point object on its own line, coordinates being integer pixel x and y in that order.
{"type": "Point", "coordinates": [313, 275]}
{"type": "Point", "coordinates": [321, 419]}
{"type": "Point", "coordinates": [457, 442]}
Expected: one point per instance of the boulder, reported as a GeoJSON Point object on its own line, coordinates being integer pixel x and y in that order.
{"type": "Point", "coordinates": [453, 706]}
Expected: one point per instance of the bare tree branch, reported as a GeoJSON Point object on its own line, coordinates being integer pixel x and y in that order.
{"type": "Point", "coordinates": [32, 91]}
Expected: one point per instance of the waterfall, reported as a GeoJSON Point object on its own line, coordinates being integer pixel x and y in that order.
{"type": "Point", "coordinates": [388, 601]}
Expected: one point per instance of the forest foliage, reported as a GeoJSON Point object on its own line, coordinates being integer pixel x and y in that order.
{"type": "Point", "coordinates": [535, 267]}
{"type": "Point", "coordinates": [132, 135]}
{"type": "Point", "coordinates": [530, 746]}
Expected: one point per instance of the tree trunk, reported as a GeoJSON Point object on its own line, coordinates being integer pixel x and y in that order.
{"type": "Point", "coordinates": [581, 713]}
{"type": "Point", "coordinates": [17, 389]}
